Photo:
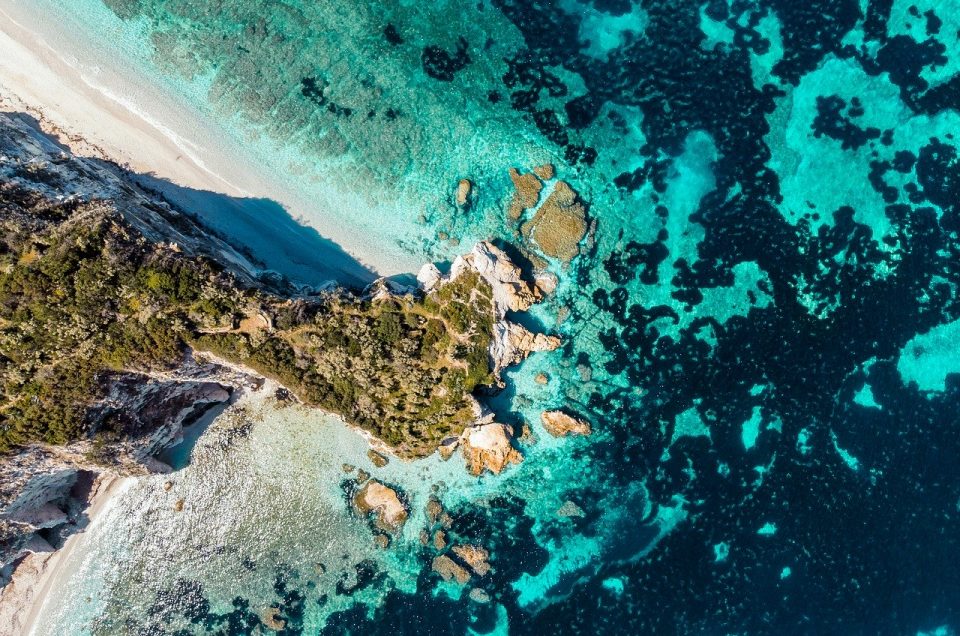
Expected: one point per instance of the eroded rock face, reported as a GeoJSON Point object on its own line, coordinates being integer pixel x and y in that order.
{"type": "Point", "coordinates": [382, 501]}
{"type": "Point", "coordinates": [559, 224]}
{"type": "Point", "coordinates": [510, 291]}
{"type": "Point", "coordinates": [560, 424]}
{"type": "Point", "coordinates": [36, 482]}
{"type": "Point", "coordinates": [513, 343]}
{"type": "Point", "coordinates": [488, 447]}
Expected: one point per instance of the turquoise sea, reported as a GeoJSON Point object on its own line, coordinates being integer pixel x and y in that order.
{"type": "Point", "coordinates": [763, 325]}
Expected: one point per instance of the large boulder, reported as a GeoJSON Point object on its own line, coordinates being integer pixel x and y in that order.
{"type": "Point", "coordinates": [560, 424]}
{"type": "Point", "coordinates": [450, 570]}
{"type": "Point", "coordinates": [382, 501]}
{"type": "Point", "coordinates": [488, 447]}
{"type": "Point", "coordinates": [474, 556]}
{"type": "Point", "coordinates": [559, 224]}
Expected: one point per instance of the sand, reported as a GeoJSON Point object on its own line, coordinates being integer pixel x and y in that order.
{"type": "Point", "coordinates": [23, 598]}
{"type": "Point", "coordinates": [102, 105]}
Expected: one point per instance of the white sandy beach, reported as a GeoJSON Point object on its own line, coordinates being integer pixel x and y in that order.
{"type": "Point", "coordinates": [100, 105]}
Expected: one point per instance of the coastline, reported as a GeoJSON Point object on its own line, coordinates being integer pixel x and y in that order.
{"type": "Point", "coordinates": [43, 568]}
{"type": "Point", "coordinates": [113, 113]}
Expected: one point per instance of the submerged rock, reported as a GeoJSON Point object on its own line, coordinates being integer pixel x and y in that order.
{"type": "Point", "coordinates": [559, 224]}
{"type": "Point", "coordinates": [449, 570]}
{"type": "Point", "coordinates": [560, 424]}
{"type": "Point", "coordinates": [570, 509]}
{"type": "Point", "coordinates": [487, 447]}
{"type": "Point", "coordinates": [383, 501]}
{"type": "Point", "coordinates": [526, 194]}
{"type": "Point", "coordinates": [272, 621]}
{"type": "Point", "coordinates": [479, 596]}
{"type": "Point", "coordinates": [377, 459]}
{"type": "Point", "coordinates": [475, 557]}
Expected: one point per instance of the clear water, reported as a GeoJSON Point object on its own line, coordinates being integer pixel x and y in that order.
{"type": "Point", "coordinates": [776, 190]}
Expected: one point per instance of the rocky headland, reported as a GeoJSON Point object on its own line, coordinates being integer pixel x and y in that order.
{"type": "Point", "coordinates": [122, 320]}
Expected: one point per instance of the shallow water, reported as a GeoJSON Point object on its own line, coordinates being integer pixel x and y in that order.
{"type": "Point", "coordinates": [763, 333]}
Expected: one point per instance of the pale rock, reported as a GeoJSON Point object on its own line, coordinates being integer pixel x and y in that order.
{"type": "Point", "coordinates": [488, 447]}
{"type": "Point", "coordinates": [383, 501]}
{"type": "Point", "coordinates": [560, 424]}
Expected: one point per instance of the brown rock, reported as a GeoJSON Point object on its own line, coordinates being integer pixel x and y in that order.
{"type": "Point", "coordinates": [479, 596]}
{"type": "Point", "coordinates": [434, 509]}
{"type": "Point", "coordinates": [559, 224]}
{"type": "Point", "coordinates": [167, 485]}
{"type": "Point", "coordinates": [446, 520]}
{"type": "Point", "coordinates": [542, 378]}
{"type": "Point", "coordinates": [382, 501]}
{"type": "Point", "coordinates": [362, 476]}
{"type": "Point", "coordinates": [349, 468]}
{"type": "Point", "coordinates": [475, 557]}
{"type": "Point", "coordinates": [487, 447]}
{"type": "Point", "coordinates": [272, 621]}
{"type": "Point", "coordinates": [450, 570]}
{"type": "Point", "coordinates": [545, 172]}
{"type": "Point", "coordinates": [526, 194]}
{"type": "Point", "coordinates": [382, 541]}
{"type": "Point", "coordinates": [464, 190]}
{"type": "Point", "coordinates": [439, 540]}
{"type": "Point", "coordinates": [424, 537]}
{"type": "Point", "coordinates": [178, 506]}
{"type": "Point", "coordinates": [560, 424]}
{"type": "Point", "coordinates": [377, 459]}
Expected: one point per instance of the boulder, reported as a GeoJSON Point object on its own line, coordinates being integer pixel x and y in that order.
{"type": "Point", "coordinates": [449, 570]}
{"type": "Point", "coordinates": [526, 193]}
{"type": "Point", "coordinates": [558, 225]}
{"type": "Point", "coordinates": [487, 447]}
{"type": "Point", "coordinates": [560, 424]}
{"type": "Point", "coordinates": [383, 501]}
{"type": "Point", "coordinates": [464, 190]}
{"type": "Point", "coordinates": [474, 556]}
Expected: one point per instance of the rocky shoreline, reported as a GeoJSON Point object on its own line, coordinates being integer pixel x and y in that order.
{"type": "Point", "coordinates": [44, 488]}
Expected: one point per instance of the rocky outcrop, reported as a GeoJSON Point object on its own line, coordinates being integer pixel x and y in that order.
{"type": "Point", "coordinates": [488, 447]}
{"type": "Point", "coordinates": [561, 424]}
{"type": "Point", "coordinates": [475, 557]}
{"type": "Point", "coordinates": [510, 291]}
{"type": "Point", "coordinates": [513, 343]}
{"type": "Point", "coordinates": [38, 484]}
{"type": "Point", "coordinates": [450, 571]}
{"type": "Point", "coordinates": [559, 224]}
{"type": "Point", "coordinates": [384, 503]}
